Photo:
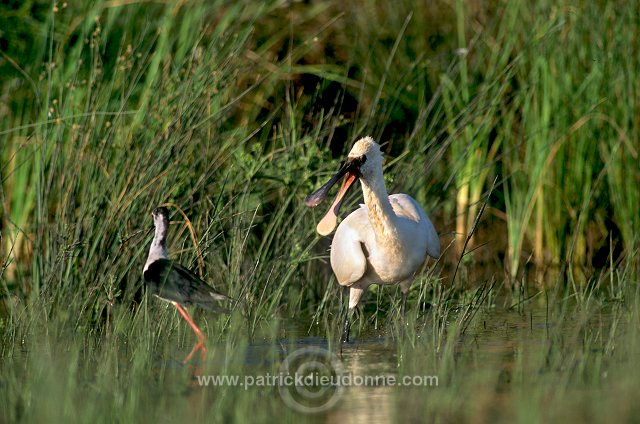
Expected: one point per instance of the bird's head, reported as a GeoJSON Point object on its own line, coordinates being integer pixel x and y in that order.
{"type": "Point", "coordinates": [160, 217]}
{"type": "Point", "coordinates": [363, 161]}
{"type": "Point", "coordinates": [367, 154]}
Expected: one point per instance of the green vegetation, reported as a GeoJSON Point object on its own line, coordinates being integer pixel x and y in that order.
{"type": "Point", "coordinates": [233, 112]}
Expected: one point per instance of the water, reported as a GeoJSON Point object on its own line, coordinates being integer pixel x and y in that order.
{"type": "Point", "coordinates": [481, 370]}
{"type": "Point", "coordinates": [569, 360]}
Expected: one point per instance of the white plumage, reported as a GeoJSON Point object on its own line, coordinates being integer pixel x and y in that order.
{"type": "Point", "coordinates": [385, 240]}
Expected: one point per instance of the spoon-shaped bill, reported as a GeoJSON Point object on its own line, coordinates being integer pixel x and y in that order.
{"type": "Point", "coordinates": [328, 223]}
{"type": "Point", "coordinates": [318, 196]}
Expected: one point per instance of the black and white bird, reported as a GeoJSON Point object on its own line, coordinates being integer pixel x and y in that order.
{"type": "Point", "coordinates": [174, 283]}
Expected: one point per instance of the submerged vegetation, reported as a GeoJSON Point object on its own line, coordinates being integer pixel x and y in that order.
{"type": "Point", "coordinates": [514, 124]}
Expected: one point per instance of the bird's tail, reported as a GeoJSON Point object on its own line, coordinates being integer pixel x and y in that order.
{"type": "Point", "coordinates": [211, 301]}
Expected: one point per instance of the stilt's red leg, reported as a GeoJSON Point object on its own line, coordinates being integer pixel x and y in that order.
{"type": "Point", "coordinates": [201, 338]}
{"type": "Point", "coordinates": [203, 351]}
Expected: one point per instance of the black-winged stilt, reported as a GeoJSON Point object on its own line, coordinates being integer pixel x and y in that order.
{"type": "Point", "coordinates": [174, 283]}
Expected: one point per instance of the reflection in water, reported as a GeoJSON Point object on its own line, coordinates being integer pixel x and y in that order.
{"type": "Point", "coordinates": [477, 371]}
{"type": "Point", "coordinates": [366, 403]}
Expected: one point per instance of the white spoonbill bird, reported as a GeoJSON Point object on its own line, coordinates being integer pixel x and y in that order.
{"type": "Point", "coordinates": [385, 240]}
{"type": "Point", "coordinates": [174, 283]}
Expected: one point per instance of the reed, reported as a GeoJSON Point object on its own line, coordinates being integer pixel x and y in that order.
{"type": "Point", "coordinates": [232, 113]}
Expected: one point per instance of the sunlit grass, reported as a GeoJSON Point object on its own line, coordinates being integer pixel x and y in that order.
{"type": "Point", "coordinates": [233, 112]}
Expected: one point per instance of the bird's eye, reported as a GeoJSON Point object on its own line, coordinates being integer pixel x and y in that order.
{"type": "Point", "coordinates": [363, 159]}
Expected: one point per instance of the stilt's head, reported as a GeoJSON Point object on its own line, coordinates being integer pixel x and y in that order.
{"type": "Point", "coordinates": [158, 248]}
{"type": "Point", "coordinates": [363, 161]}
{"type": "Point", "coordinates": [161, 221]}
{"type": "Point", "coordinates": [160, 217]}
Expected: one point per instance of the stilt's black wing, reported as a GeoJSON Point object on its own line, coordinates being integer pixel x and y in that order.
{"type": "Point", "coordinates": [171, 281]}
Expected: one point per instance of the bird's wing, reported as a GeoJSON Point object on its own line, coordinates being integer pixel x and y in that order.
{"type": "Point", "coordinates": [406, 206]}
{"type": "Point", "coordinates": [348, 254]}
{"type": "Point", "coordinates": [171, 281]}
{"type": "Point", "coordinates": [198, 285]}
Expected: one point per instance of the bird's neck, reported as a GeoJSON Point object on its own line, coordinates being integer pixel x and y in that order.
{"type": "Point", "coordinates": [158, 248]}
{"type": "Point", "coordinates": [381, 212]}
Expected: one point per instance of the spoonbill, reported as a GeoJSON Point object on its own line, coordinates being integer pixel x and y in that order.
{"type": "Point", "coordinates": [385, 240]}
{"type": "Point", "coordinates": [174, 283]}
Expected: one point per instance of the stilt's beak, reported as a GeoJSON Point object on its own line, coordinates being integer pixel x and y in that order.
{"type": "Point", "coordinates": [351, 168]}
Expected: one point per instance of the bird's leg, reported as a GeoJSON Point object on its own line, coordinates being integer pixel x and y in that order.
{"type": "Point", "coordinates": [200, 346]}
{"type": "Point", "coordinates": [403, 309]}
{"type": "Point", "coordinates": [355, 293]}
{"type": "Point", "coordinates": [201, 338]}
{"type": "Point", "coordinates": [404, 289]}
{"type": "Point", "coordinates": [346, 326]}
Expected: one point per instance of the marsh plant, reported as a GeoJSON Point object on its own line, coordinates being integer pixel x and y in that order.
{"type": "Point", "coordinates": [514, 124]}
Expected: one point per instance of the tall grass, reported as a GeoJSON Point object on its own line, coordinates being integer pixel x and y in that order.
{"type": "Point", "coordinates": [232, 113]}
{"type": "Point", "coordinates": [518, 104]}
